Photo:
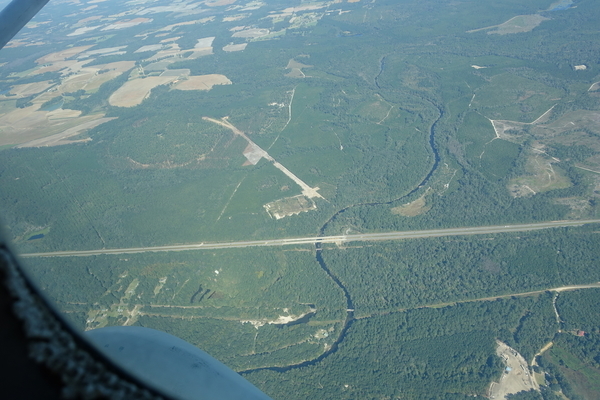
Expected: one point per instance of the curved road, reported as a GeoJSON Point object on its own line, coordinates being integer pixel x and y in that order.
{"type": "Point", "coordinates": [362, 237]}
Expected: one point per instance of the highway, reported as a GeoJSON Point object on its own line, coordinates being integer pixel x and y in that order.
{"type": "Point", "coordinates": [362, 237]}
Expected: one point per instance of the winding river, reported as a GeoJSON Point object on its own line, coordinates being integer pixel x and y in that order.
{"type": "Point", "coordinates": [319, 257]}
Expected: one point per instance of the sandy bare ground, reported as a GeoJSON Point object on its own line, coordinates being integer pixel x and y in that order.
{"type": "Point", "coordinates": [61, 138]}
{"type": "Point", "coordinates": [541, 175]}
{"type": "Point", "coordinates": [180, 73]}
{"type": "Point", "coordinates": [234, 18]}
{"type": "Point", "coordinates": [86, 78]}
{"type": "Point", "coordinates": [54, 66]}
{"type": "Point", "coordinates": [412, 209]}
{"type": "Point", "coordinates": [171, 39]}
{"type": "Point", "coordinates": [307, 7]}
{"type": "Point", "coordinates": [114, 69]}
{"type": "Point", "coordinates": [86, 20]}
{"type": "Point", "coordinates": [105, 52]}
{"type": "Point", "coordinates": [169, 28]}
{"type": "Point", "coordinates": [197, 53]}
{"type": "Point", "coordinates": [251, 33]}
{"type": "Point", "coordinates": [126, 23]}
{"type": "Point", "coordinates": [306, 190]}
{"type": "Point", "coordinates": [202, 82]}
{"type": "Point", "coordinates": [514, 380]}
{"type": "Point", "coordinates": [296, 69]}
{"type": "Point", "coordinates": [217, 3]}
{"type": "Point", "coordinates": [24, 125]}
{"type": "Point", "coordinates": [25, 43]}
{"type": "Point", "coordinates": [204, 42]}
{"type": "Point", "coordinates": [235, 47]}
{"type": "Point", "coordinates": [289, 206]}
{"type": "Point", "coordinates": [172, 51]}
{"type": "Point", "coordinates": [28, 89]}
{"type": "Point", "coordinates": [149, 47]}
{"type": "Point", "coordinates": [132, 93]}
{"type": "Point", "coordinates": [518, 24]}
{"type": "Point", "coordinates": [82, 30]}
{"type": "Point", "coordinates": [62, 55]}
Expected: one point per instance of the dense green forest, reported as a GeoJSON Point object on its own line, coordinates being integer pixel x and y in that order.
{"type": "Point", "coordinates": [393, 275]}
{"type": "Point", "coordinates": [406, 115]}
{"type": "Point", "coordinates": [413, 354]}
{"type": "Point", "coordinates": [361, 129]}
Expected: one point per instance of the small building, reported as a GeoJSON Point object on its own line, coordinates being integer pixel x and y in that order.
{"type": "Point", "coordinates": [581, 333]}
{"type": "Point", "coordinates": [582, 67]}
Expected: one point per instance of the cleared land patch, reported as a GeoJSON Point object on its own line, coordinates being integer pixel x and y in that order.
{"type": "Point", "coordinates": [515, 378]}
{"type": "Point", "coordinates": [296, 69]}
{"type": "Point", "coordinates": [62, 55]}
{"type": "Point", "coordinates": [289, 206]}
{"type": "Point", "coordinates": [108, 51]}
{"type": "Point", "coordinates": [149, 47]}
{"type": "Point", "coordinates": [28, 89]}
{"type": "Point", "coordinates": [235, 17]}
{"type": "Point", "coordinates": [61, 138]}
{"type": "Point", "coordinates": [518, 24]}
{"type": "Point", "coordinates": [81, 31]}
{"type": "Point", "coordinates": [412, 209]}
{"type": "Point", "coordinates": [235, 47]}
{"type": "Point", "coordinates": [126, 23]}
{"type": "Point", "coordinates": [543, 176]}
{"type": "Point", "coordinates": [202, 82]}
{"type": "Point", "coordinates": [134, 92]}
{"type": "Point", "coordinates": [24, 125]}
{"type": "Point", "coordinates": [252, 33]}
{"type": "Point", "coordinates": [306, 190]}
{"type": "Point", "coordinates": [218, 3]}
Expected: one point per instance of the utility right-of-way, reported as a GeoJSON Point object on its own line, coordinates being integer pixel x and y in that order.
{"type": "Point", "coordinates": [361, 237]}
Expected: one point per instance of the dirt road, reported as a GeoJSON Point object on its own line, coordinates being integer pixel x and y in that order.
{"type": "Point", "coordinates": [306, 190]}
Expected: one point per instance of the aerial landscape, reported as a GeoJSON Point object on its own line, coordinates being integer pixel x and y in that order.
{"type": "Point", "coordinates": [344, 199]}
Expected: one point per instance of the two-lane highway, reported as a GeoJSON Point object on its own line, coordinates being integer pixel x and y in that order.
{"type": "Point", "coordinates": [362, 237]}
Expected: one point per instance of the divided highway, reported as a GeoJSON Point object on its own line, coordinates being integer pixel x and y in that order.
{"type": "Point", "coordinates": [362, 237]}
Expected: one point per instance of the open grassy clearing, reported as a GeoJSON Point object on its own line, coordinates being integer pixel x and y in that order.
{"type": "Point", "coordinates": [584, 379]}
{"type": "Point", "coordinates": [543, 175]}
{"type": "Point", "coordinates": [511, 97]}
{"type": "Point", "coordinates": [518, 24]}
{"type": "Point", "coordinates": [412, 209]}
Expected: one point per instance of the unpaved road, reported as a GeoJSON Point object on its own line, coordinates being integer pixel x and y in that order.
{"type": "Point", "coordinates": [595, 285]}
{"type": "Point", "coordinates": [306, 190]}
{"type": "Point", "coordinates": [480, 230]}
